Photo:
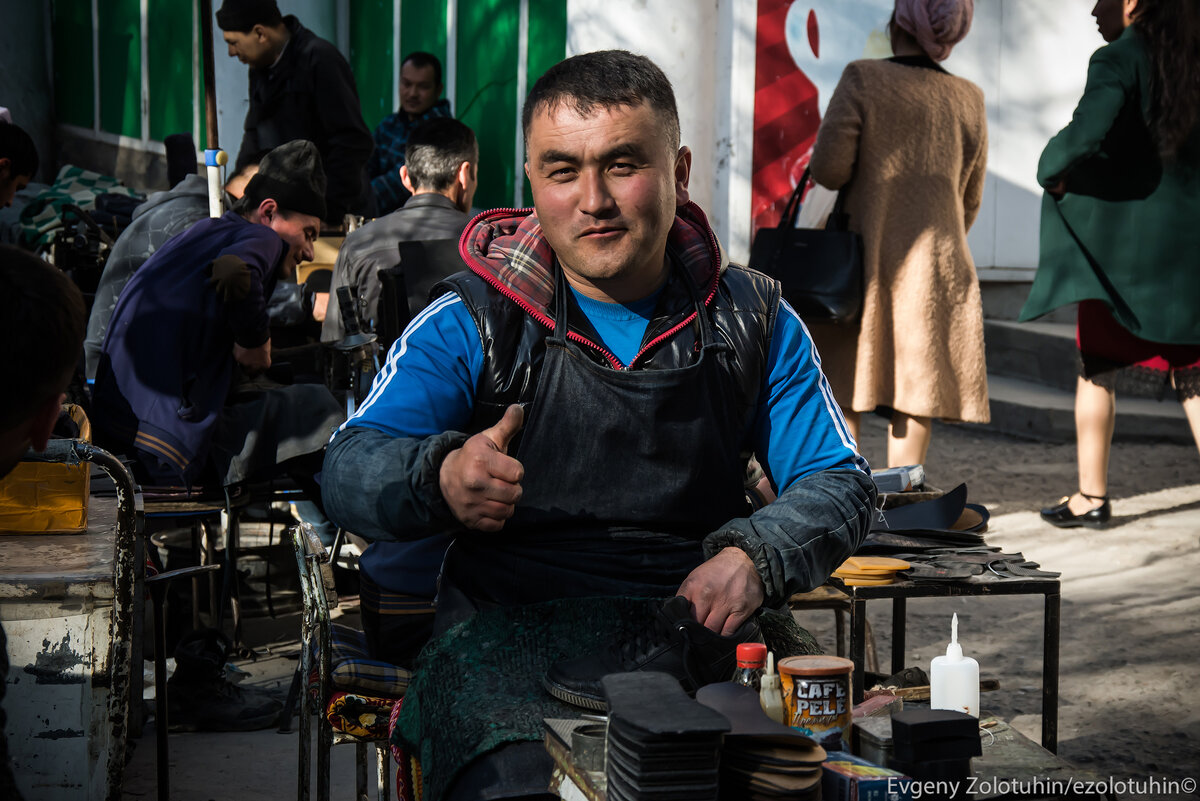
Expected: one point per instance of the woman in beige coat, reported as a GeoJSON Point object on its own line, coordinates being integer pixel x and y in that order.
{"type": "Point", "coordinates": [907, 143]}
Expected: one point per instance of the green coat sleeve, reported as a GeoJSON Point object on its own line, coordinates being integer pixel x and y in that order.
{"type": "Point", "coordinates": [1108, 85]}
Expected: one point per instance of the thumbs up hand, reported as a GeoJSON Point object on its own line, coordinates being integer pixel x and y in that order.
{"type": "Point", "coordinates": [480, 481]}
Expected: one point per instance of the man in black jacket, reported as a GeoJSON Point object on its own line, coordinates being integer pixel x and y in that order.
{"type": "Point", "coordinates": [441, 176]}
{"type": "Point", "coordinates": [300, 88]}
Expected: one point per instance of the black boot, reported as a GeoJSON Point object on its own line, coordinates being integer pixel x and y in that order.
{"type": "Point", "coordinates": [674, 644]}
{"type": "Point", "coordinates": [199, 696]}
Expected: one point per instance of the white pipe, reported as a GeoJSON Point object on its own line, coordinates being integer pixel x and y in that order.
{"type": "Point", "coordinates": [144, 30]}
{"type": "Point", "coordinates": [197, 93]}
{"type": "Point", "coordinates": [214, 191]}
{"type": "Point", "coordinates": [522, 80]}
{"type": "Point", "coordinates": [396, 55]}
{"type": "Point", "coordinates": [452, 53]}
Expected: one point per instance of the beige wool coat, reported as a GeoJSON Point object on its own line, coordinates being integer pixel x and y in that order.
{"type": "Point", "coordinates": [908, 146]}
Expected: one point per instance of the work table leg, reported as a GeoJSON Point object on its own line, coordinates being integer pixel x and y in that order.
{"type": "Point", "coordinates": [1050, 673]}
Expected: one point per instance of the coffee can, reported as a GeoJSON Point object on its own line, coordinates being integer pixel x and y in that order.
{"type": "Point", "coordinates": [816, 698]}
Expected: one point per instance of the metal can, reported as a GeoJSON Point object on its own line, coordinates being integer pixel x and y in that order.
{"type": "Point", "coordinates": [816, 698]}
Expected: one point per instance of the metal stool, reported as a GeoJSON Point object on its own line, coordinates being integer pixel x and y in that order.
{"type": "Point", "coordinates": [196, 507]}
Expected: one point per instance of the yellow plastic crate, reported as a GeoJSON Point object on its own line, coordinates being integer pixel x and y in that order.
{"type": "Point", "coordinates": [48, 498]}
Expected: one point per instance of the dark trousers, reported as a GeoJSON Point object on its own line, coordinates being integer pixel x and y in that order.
{"type": "Point", "coordinates": [397, 626]}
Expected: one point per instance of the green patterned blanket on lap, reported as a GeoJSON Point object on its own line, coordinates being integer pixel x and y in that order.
{"type": "Point", "coordinates": [42, 218]}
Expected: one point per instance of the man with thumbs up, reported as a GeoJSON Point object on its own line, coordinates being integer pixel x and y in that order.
{"type": "Point", "coordinates": [576, 410]}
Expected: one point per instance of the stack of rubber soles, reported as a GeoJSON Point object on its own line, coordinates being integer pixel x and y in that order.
{"type": "Point", "coordinates": [662, 745]}
{"type": "Point", "coordinates": [870, 571]}
{"type": "Point", "coordinates": [762, 759]}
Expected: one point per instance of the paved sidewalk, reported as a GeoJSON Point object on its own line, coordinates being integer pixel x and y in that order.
{"type": "Point", "coordinates": [241, 766]}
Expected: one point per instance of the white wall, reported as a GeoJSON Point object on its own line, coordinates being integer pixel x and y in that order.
{"type": "Point", "coordinates": [706, 49]}
{"type": "Point", "coordinates": [680, 38]}
{"type": "Point", "coordinates": [1029, 56]}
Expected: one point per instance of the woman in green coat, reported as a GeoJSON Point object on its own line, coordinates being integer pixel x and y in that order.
{"type": "Point", "coordinates": [1120, 228]}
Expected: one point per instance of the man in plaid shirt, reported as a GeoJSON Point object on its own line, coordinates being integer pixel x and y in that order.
{"type": "Point", "coordinates": [420, 88]}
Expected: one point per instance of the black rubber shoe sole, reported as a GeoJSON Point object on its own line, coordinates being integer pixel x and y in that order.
{"type": "Point", "coordinates": [573, 698]}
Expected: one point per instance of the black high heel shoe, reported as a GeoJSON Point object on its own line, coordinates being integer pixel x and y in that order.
{"type": "Point", "coordinates": [1062, 516]}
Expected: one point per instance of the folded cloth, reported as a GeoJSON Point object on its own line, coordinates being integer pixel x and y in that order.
{"type": "Point", "coordinates": [42, 218]}
{"type": "Point", "coordinates": [360, 715]}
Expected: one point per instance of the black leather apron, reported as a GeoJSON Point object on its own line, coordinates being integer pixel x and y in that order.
{"type": "Point", "coordinates": [625, 472]}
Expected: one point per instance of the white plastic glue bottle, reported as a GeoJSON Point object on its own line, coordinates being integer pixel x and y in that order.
{"type": "Point", "coordinates": [954, 678]}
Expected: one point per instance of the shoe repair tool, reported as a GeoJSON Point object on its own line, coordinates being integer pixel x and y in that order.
{"type": "Point", "coordinates": [1007, 569]}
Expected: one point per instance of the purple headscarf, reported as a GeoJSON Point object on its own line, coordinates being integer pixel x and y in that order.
{"type": "Point", "coordinates": [937, 25]}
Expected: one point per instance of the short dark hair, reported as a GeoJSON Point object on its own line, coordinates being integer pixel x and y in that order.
{"type": "Point", "coordinates": [420, 59]}
{"type": "Point", "coordinates": [41, 307]}
{"type": "Point", "coordinates": [17, 146]}
{"type": "Point", "coordinates": [605, 79]}
{"type": "Point", "coordinates": [242, 15]}
{"type": "Point", "coordinates": [434, 150]}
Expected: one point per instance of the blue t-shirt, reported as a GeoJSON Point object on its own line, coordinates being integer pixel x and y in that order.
{"type": "Point", "coordinates": [621, 326]}
{"type": "Point", "coordinates": [427, 386]}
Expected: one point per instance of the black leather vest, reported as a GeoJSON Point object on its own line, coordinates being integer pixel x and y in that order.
{"type": "Point", "coordinates": [742, 312]}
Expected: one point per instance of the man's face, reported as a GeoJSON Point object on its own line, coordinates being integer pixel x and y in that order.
{"type": "Point", "coordinates": [299, 231]}
{"type": "Point", "coordinates": [605, 187]}
{"type": "Point", "coordinates": [33, 431]}
{"type": "Point", "coordinates": [252, 47]}
{"type": "Point", "coordinates": [419, 89]}
{"type": "Point", "coordinates": [10, 184]}
{"type": "Point", "coordinates": [1112, 17]}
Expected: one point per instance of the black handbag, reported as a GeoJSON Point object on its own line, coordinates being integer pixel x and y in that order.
{"type": "Point", "coordinates": [820, 270]}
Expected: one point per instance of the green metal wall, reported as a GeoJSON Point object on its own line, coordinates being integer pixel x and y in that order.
{"type": "Point", "coordinates": [121, 68]}
{"type": "Point", "coordinates": [169, 44]}
{"type": "Point", "coordinates": [170, 60]}
{"type": "Point", "coordinates": [372, 56]}
{"type": "Point", "coordinates": [487, 93]}
{"type": "Point", "coordinates": [423, 27]}
{"type": "Point", "coordinates": [71, 30]}
{"type": "Point", "coordinates": [547, 47]}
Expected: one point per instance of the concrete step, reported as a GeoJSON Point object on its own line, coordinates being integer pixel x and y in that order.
{"type": "Point", "coordinates": [1045, 353]}
{"type": "Point", "coordinates": [1028, 409]}
{"type": "Point", "coordinates": [1041, 352]}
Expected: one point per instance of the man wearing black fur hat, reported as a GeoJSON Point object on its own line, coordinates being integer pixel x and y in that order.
{"type": "Point", "coordinates": [301, 87]}
{"type": "Point", "coordinates": [194, 312]}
